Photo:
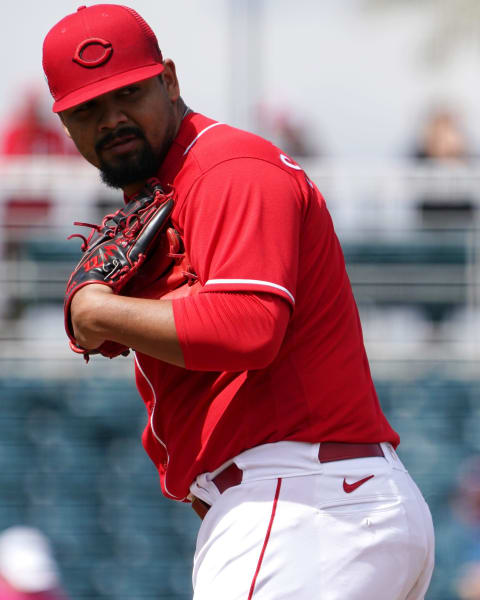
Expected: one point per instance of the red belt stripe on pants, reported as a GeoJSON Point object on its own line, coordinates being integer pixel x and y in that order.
{"type": "Point", "coordinates": [328, 452]}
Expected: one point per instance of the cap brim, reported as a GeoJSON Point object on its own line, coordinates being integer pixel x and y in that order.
{"type": "Point", "coordinates": [106, 85]}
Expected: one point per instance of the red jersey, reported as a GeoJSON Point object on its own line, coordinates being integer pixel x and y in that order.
{"type": "Point", "coordinates": [251, 220]}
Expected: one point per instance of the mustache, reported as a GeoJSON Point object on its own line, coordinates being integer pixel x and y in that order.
{"type": "Point", "coordinates": [121, 132]}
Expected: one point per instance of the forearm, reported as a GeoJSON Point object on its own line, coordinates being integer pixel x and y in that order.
{"type": "Point", "coordinates": [213, 332]}
{"type": "Point", "coordinates": [147, 326]}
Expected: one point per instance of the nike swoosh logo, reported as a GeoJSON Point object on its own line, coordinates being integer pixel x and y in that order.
{"type": "Point", "coordinates": [350, 487]}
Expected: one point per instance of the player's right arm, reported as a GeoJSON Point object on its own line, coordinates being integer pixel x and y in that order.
{"type": "Point", "coordinates": [206, 332]}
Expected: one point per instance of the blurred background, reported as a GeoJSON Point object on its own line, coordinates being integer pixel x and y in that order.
{"type": "Point", "coordinates": [379, 100]}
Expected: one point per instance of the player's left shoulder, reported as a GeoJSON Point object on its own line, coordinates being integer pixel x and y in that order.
{"type": "Point", "coordinates": [227, 143]}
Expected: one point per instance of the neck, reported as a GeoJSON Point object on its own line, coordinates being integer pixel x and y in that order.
{"type": "Point", "coordinates": [182, 111]}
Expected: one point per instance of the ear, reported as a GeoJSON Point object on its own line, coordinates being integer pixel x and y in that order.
{"type": "Point", "coordinates": [65, 128]}
{"type": "Point", "coordinates": [170, 80]}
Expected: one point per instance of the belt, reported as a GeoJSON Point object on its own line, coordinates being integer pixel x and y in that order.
{"type": "Point", "coordinates": [328, 452]}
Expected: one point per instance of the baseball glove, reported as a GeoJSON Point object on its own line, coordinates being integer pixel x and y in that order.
{"type": "Point", "coordinates": [116, 249]}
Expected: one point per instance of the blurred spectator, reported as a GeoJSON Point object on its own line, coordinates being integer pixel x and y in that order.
{"type": "Point", "coordinates": [292, 136]}
{"type": "Point", "coordinates": [466, 507]}
{"type": "Point", "coordinates": [442, 138]}
{"type": "Point", "coordinates": [466, 502]}
{"type": "Point", "coordinates": [469, 583]}
{"type": "Point", "coordinates": [458, 538]}
{"type": "Point", "coordinates": [31, 132]}
{"type": "Point", "coordinates": [284, 130]}
{"type": "Point", "coordinates": [27, 568]}
{"type": "Point", "coordinates": [443, 146]}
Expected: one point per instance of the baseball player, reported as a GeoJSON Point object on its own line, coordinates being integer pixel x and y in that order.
{"type": "Point", "coordinates": [248, 350]}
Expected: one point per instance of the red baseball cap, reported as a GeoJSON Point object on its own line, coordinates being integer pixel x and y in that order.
{"type": "Point", "coordinates": [96, 50]}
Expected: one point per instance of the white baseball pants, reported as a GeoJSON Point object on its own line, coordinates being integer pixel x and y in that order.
{"type": "Point", "coordinates": [293, 531]}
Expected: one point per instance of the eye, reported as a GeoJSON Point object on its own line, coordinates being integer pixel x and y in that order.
{"type": "Point", "coordinates": [82, 109]}
{"type": "Point", "coordinates": [128, 91]}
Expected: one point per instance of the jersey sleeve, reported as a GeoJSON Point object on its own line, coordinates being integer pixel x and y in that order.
{"type": "Point", "coordinates": [242, 228]}
{"type": "Point", "coordinates": [230, 331]}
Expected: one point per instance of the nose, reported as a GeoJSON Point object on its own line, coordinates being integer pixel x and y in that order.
{"type": "Point", "coordinates": [111, 117]}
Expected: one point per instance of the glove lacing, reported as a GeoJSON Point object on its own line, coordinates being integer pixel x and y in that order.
{"type": "Point", "coordinates": [129, 224]}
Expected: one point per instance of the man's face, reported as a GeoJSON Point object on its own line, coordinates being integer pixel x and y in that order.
{"type": "Point", "coordinates": [127, 133]}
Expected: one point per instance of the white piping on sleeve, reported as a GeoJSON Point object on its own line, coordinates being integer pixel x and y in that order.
{"type": "Point", "coordinates": [252, 281]}
{"type": "Point", "coordinates": [201, 133]}
{"type": "Point", "coordinates": [151, 423]}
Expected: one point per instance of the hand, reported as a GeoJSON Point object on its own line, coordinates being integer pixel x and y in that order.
{"type": "Point", "coordinates": [86, 305]}
{"type": "Point", "coordinates": [113, 254]}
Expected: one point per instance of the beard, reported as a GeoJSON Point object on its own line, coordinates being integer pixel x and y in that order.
{"type": "Point", "coordinates": [134, 166]}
